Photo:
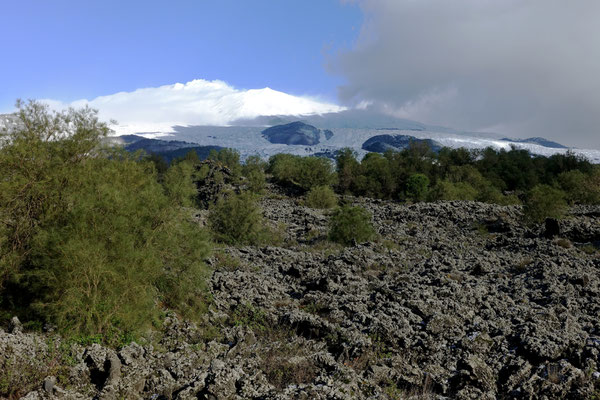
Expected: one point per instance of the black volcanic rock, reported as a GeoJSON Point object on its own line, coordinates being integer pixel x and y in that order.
{"type": "Point", "coordinates": [449, 311]}
{"type": "Point", "coordinates": [382, 143]}
{"type": "Point", "coordinates": [295, 133]}
{"type": "Point", "coordinates": [539, 141]}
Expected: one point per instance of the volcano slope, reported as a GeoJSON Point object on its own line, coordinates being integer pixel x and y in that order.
{"type": "Point", "coordinates": [452, 300]}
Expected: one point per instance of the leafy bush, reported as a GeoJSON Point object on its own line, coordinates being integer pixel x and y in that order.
{"type": "Point", "coordinates": [350, 224]}
{"type": "Point", "coordinates": [445, 190]}
{"type": "Point", "coordinates": [230, 158]}
{"type": "Point", "coordinates": [376, 178]}
{"type": "Point", "coordinates": [90, 240]}
{"type": "Point", "coordinates": [321, 197]}
{"type": "Point", "coordinates": [543, 202]}
{"type": "Point", "coordinates": [284, 167]}
{"type": "Point", "coordinates": [417, 187]}
{"type": "Point", "coordinates": [315, 171]}
{"type": "Point", "coordinates": [237, 219]}
{"type": "Point", "coordinates": [579, 188]}
{"type": "Point", "coordinates": [306, 172]}
{"type": "Point", "coordinates": [254, 171]}
{"type": "Point", "coordinates": [179, 185]}
{"type": "Point", "coordinates": [347, 169]}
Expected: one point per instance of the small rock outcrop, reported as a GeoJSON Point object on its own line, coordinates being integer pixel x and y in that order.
{"type": "Point", "coordinates": [214, 179]}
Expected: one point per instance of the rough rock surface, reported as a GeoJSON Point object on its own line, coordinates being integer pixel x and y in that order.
{"type": "Point", "coordinates": [213, 181]}
{"type": "Point", "coordinates": [455, 300]}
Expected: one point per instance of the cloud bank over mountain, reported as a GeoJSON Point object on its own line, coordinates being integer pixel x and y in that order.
{"type": "Point", "coordinates": [198, 102]}
{"type": "Point", "coordinates": [523, 68]}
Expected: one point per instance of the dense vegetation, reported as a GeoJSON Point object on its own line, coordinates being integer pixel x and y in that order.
{"type": "Point", "coordinates": [89, 239]}
{"type": "Point", "coordinates": [419, 174]}
{"type": "Point", "coordinates": [100, 242]}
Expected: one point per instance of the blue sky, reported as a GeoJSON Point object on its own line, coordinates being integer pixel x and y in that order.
{"type": "Point", "coordinates": [68, 50]}
{"type": "Point", "coordinates": [519, 68]}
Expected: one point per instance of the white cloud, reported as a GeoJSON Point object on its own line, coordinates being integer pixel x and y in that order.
{"type": "Point", "coordinates": [528, 66]}
{"type": "Point", "coordinates": [198, 102]}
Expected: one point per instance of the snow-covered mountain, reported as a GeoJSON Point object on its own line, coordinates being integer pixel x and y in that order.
{"type": "Point", "coordinates": [214, 113]}
{"type": "Point", "coordinates": [347, 128]}
{"type": "Point", "coordinates": [352, 128]}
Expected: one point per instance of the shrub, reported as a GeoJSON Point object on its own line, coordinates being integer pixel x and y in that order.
{"type": "Point", "coordinates": [349, 225]}
{"type": "Point", "coordinates": [417, 187]}
{"type": "Point", "coordinates": [90, 240]}
{"type": "Point", "coordinates": [321, 197]}
{"type": "Point", "coordinates": [179, 185]}
{"type": "Point", "coordinates": [306, 172]}
{"type": "Point", "coordinates": [236, 219]}
{"type": "Point", "coordinates": [579, 187]}
{"type": "Point", "coordinates": [315, 171]}
{"type": "Point", "coordinates": [284, 167]}
{"type": "Point", "coordinates": [254, 171]}
{"type": "Point", "coordinates": [543, 202]}
{"type": "Point", "coordinates": [230, 158]}
{"type": "Point", "coordinates": [375, 179]}
{"type": "Point", "coordinates": [445, 190]}
{"type": "Point", "coordinates": [347, 169]}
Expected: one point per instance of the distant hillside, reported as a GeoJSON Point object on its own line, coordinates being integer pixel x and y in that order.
{"type": "Point", "coordinates": [201, 151]}
{"type": "Point", "coordinates": [539, 141]}
{"type": "Point", "coordinates": [296, 133]}
{"type": "Point", "coordinates": [383, 143]}
{"type": "Point", "coordinates": [168, 149]}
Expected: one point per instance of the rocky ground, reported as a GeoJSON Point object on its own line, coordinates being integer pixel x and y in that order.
{"type": "Point", "coordinates": [454, 300]}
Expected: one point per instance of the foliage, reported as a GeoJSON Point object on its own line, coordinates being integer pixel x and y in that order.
{"type": "Point", "coordinates": [543, 202]}
{"type": "Point", "coordinates": [254, 171]}
{"type": "Point", "coordinates": [376, 179]}
{"type": "Point", "coordinates": [321, 197]}
{"type": "Point", "coordinates": [91, 242]}
{"type": "Point", "coordinates": [237, 219]}
{"type": "Point", "coordinates": [305, 172]}
{"type": "Point", "coordinates": [579, 187]}
{"type": "Point", "coordinates": [229, 158]}
{"type": "Point", "coordinates": [347, 169]}
{"type": "Point", "coordinates": [179, 185]}
{"type": "Point", "coordinates": [446, 190]}
{"type": "Point", "coordinates": [349, 225]}
{"type": "Point", "coordinates": [315, 171]}
{"type": "Point", "coordinates": [417, 186]}
{"type": "Point", "coordinates": [489, 175]}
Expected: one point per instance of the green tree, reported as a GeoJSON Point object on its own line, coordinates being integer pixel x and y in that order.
{"type": "Point", "coordinates": [446, 190]}
{"type": "Point", "coordinates": [315, 171]}
{"type": "Point", "coordinates": [91, 241]}
{"type": "Point", "coordinates": [417, 187]}
{"type": "Point", "coordinates": [237, 219]}
{"type": "Point", "coordinates": [579, 188]}
{"type": "Point", "coordinates": [179, 185]}
{"type": "Point", "coordinates": [230, 158]}
{"type": "Point", "coordinates": [543, 202]}
{"type": "Point", "coordinates": [254, 172]}
{"type": "Point", "coordinates": [347, 170]}
{"type": "Point", "coordinates": [284, 167]}
{"type": "Point", "coordinates": [321, 197]}
{"type": "Point", "coordinates": [350, 225]}
{"type": "Point", "coordinates": [378, 181]}
{"type": "Point", "coordinates": [305, 172]}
